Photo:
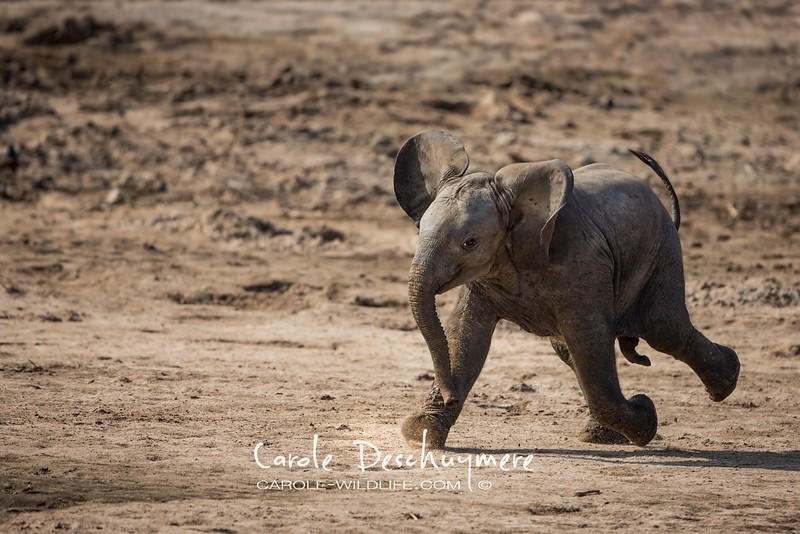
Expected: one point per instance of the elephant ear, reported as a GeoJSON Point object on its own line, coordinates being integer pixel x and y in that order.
{"type": "Point", "coordinates": [537, 192]}
{"type": "Point", "coordinates": [426, 160]}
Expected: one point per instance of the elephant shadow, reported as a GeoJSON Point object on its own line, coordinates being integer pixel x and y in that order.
{"type": "Point", "coordinates": [768, 460]}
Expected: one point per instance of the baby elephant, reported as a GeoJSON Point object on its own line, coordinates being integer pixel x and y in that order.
{"type": "Point", "coordinates": [582, 257]}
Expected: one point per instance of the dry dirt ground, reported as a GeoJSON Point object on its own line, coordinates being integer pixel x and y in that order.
{"type": "Point", "coordinates": [201, 251]}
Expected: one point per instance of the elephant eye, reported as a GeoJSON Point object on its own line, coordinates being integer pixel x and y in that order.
{"type": "Point", "coordinates": [469, 243]}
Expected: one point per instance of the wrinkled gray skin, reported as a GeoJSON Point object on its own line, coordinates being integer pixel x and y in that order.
{"type": "Point", "coordinates": [581, 257]}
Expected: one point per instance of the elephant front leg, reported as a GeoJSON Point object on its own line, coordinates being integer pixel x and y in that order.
{"type": "Point", "coordinates": [591, 346]}
{"type": "Point", "coordinates": [432, 424]}
{"type": "Point", "coordinates": [593, 432]}
{"type": "Point", "coordinates": [469, 335]}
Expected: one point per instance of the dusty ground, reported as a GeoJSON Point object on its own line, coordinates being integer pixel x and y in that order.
{"type": "Point", "coordinates": [201, 251]}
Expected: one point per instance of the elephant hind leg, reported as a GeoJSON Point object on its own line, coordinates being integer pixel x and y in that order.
{"type": "Point", "coordinates": [717, 366]}
{"type": "Point", "coordinates": [669, 330]}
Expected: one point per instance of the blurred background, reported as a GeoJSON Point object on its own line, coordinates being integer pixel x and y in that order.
{"type": "Point", "coordinates": [304, 104]}
{"type": "Point", "coordinates": [200, 249]}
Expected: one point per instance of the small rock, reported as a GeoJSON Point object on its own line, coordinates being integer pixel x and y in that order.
{"type": "Point", "coordinates": [325, 234]}
{"type": "Point", "coordinates": [115, 196]}
{"type": "Point", "coordinates": [14, 291]}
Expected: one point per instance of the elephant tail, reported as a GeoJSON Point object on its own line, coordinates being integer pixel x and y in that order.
{"type": "Point", "coordinates": [673, 197]}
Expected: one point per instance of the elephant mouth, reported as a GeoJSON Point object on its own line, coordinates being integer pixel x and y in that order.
{"type": "Point", "coordinates": [450, 284]}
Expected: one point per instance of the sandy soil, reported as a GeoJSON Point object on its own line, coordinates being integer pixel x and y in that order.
{"type": "Point", "coordinates": [201, 251]}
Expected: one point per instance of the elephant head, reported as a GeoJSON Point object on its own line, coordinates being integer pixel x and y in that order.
{"type": "Point", "coordinates": [465, 221]}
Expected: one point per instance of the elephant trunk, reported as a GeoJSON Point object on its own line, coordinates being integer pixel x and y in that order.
{"type": "Point", "coordinates": [422, 290]}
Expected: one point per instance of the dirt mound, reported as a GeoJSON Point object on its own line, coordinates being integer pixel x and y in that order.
{"type": "Point", "coordinates": [230, 226]}
{"type": "Point", "coordinates": [769, 292]}
{"type": "Point", "coordinates": [271, 295]}
{"type": "Point", "coordinates": [227, 225]}
{"type": "Point", "coordinates": [72, 30]}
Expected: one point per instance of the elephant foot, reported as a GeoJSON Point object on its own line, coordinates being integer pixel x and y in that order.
{"type": "Point", "coordinates": [595, 433]}
{"type": "Point", "coordinates": [717, 366]}
{"type": "Point", "coordinates": [645, 421]}
{"type": "Point", "coordinates": [723, 381]}
{"type": "Point", "coordinates": [636, 418]}
{"type": "Point", "coordinates": [414, 429]}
